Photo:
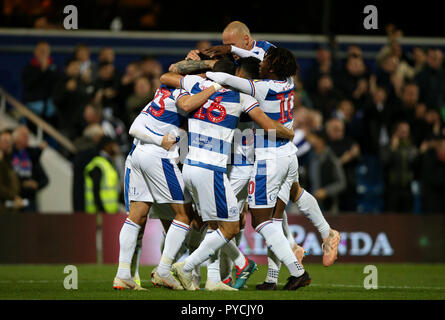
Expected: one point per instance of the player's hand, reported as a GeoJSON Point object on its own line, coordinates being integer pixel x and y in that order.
{"type": "Point", "coordinates": [18, 203]}
{"type": "Point", "coordinates": [168, 141]}
{"type": "Point", "coordinates": [193, 55]}
{"type": "Point", "coordinates": [219, 50]}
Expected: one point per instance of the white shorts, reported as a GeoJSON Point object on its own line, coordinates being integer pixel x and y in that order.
{"type": "Point", "coordinates": [284, 193]}
{"type": "Point", "coordinates": [157, 210]}
{"type": "Point", "coordinates": [268, 177]}
{"type": "Point", "coordinates": [154, 179]}
{"type": "Point", "coordinates": [212, 193]}
{"type": "Point", "coordinates": [239, 177]}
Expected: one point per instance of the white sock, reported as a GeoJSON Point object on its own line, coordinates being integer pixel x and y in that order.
{"type": "Point", "coordinates": [213, 271]}
{"type": "Point", "coordinates": [274, 266]}
{"type": "Point", "coordinates": [127, 241]}
{"type": "Point", "coordinates": [277, 242]}
{"type": "Point", "coordinates": [173, 242]}
{"type": "Point", "coordinates": [307, 204]}
{"type": "Point", "coordinates": [286, 230]}
{"type": "Point", "coordinates": [208, 247]}
{"type": "Point", "coordinates": [234, 253]}
{"type": "Point", "coordinates": [135, 261]}
{"type": "Point", "coordinates": [161, 245]}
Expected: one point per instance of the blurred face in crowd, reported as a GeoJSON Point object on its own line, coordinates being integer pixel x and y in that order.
{"type": "Point", "coordinates": [432, 116]}
{"type": "Point", "coordinates": [315, 120]}
{"type": "Point", "coordinates": [42, 51]}
{"type": "Point", "coordinates": [355, 51]}
{"type": "Point", "coordinates": [73, 69]}
{"type": "Point", "coordinates": [440, 149]}
{"type": "Point", "coordinates": [151, 67]}
{"type": "Point", "coordinates": [410, 94]}
{"type": "Point", "coordinates": [396, 49]}
{"type": "Point", "coordinates": [112, 148]}
{"type": "Point", "coordinates": [106, 54]}
{"type": "Point", "coordinates": [335, 129]}
{"type": "Point", "coordinates": [142, 87]}
{"type": "Point", "coordinates": [379, 96]}
{"type": "Point", "coordinates": [419, 55]}
{"type": "Point", "coordinates": [300, 115]}
{"type": "Point", "coordinates": [325, 84]}
{"type": "Point", "coordinates": [347, 109]}
{"type": "Point", "coordinates": [402, 131]}
{"type": "Point", "coordinates": [106, 72]}
{"type": "Point", "coordinates": [390, 63]}
{"type": "Point", "coordinates": [355, 66]}
{"type": "Point", "coordinates": [6, 142]}
{"type": "Point", "coordinates": [420, 110]}
{"type": "Point", "coordinates": [91, 115]}
{"type": "Point", "coordinates": [323, 56]}
{"type": "Point", "coordinates": [434, 58]}
{"type": "Point", "coordinates": [204, 44]}
{"type": "Point", "coordinates": [133, 71]}
{"type": "Point", "coordinates": [83, 53]}
{"type": "Point", "coordinates": [21, 137]}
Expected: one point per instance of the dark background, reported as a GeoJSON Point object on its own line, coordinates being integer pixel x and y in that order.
{"type": "Point", "coordinates": [419, 18]}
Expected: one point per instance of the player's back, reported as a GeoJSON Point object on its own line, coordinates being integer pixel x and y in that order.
{"type": "Point", "coordinates": [276, 99]}
{"type": "Point", "coordinates": [164, 117]}
{"type": "Point", "coordinates": [211, 127]}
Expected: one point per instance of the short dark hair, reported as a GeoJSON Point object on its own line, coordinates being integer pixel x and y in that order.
{"type": "Point", "coordinates": [283, 62]}
{"type": "Point", "coordinates": [251, 66]}
{"type": "Point", "coordinates": [225, 64]}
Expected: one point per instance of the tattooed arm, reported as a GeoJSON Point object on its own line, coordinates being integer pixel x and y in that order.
{"type": "Point", "coordinates": [189, 66]}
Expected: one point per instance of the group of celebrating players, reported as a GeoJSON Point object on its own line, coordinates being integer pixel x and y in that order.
{"type": "Point", "coordinates": [212, 96]}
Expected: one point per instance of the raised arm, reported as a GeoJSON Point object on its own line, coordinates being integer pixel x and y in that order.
{"type": "Point", "coordinates": [191, 102]}
{"type": "Point", "coordinates": [240, 84]}
{"type": "Point", "coordinates": [268, 124]}
{"type": "Point", "coordinates": [191, 66]}
{"type": "Point", "coordinates": [139, 131]}
{"type": "Point", "coordinates": [225, 49]}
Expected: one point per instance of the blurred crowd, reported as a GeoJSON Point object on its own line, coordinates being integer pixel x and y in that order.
{"type": "Point", "coordinates": [369, 141]}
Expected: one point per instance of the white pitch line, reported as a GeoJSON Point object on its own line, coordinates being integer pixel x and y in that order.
{"type": "Point", "coordinates": [335, 285]}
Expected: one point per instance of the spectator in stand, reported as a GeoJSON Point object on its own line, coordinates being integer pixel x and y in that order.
{"type": "Point", "coordinates": [39, 78]}
{"type": "Point", "coordinates": [152, 69]}
{"type": "Point", "coordinates": [324, 65]}
{"type": "Point", "coordinates": [326, 96]}
{"type": "Point", "coordinates": [326, 176]}
{"type": "Point", "coordinates": [352, 120]}
{"type": "Point", "coordinates": [353, 81]}
{"type": "Point", "coordinates": [419, 59]}
{"type": "Point", "coordinates": [126, 87]}
{"type": "Point", "coordinates": [431, 80]}
{"type": "Point", "coordinates": [70, 97]}
{"type": "Point", "coordinates": [348, 152]}
{"type": "Point", "coordinates": [111, 126]}
{"type": "Point", "coordinates": [377, 119]}
{"type": "Point", "coordinates": [106, 54]}
{"type": "Point", "coordinates": [106, 90]}
{"type": "Point", "coordinates": [87, 149]}
{"type": "Point", "coordinates": [203, 44]}
{"type": "Point", "coordinates": [10, 200]}
{"type": "Point", "coordinates": [102, 185]}
{"type": "Point", "coordinates": [88, 68]}
{"type": "Point", "coordinates": [433, 178]}
{"type": "Point", "coordinates": [139, 99]}
{"type": "Point", "coordinates": [389, 78]}
{"type": "Point", "coordinates": [399, 161]}
{"type": "Point", "coordinates": [26, 163]}
{"type": "Point", "coordinates": [301, 96]}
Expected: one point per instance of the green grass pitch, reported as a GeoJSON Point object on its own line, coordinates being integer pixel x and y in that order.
{"type": "Point", "coordinates": [340, 281]}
